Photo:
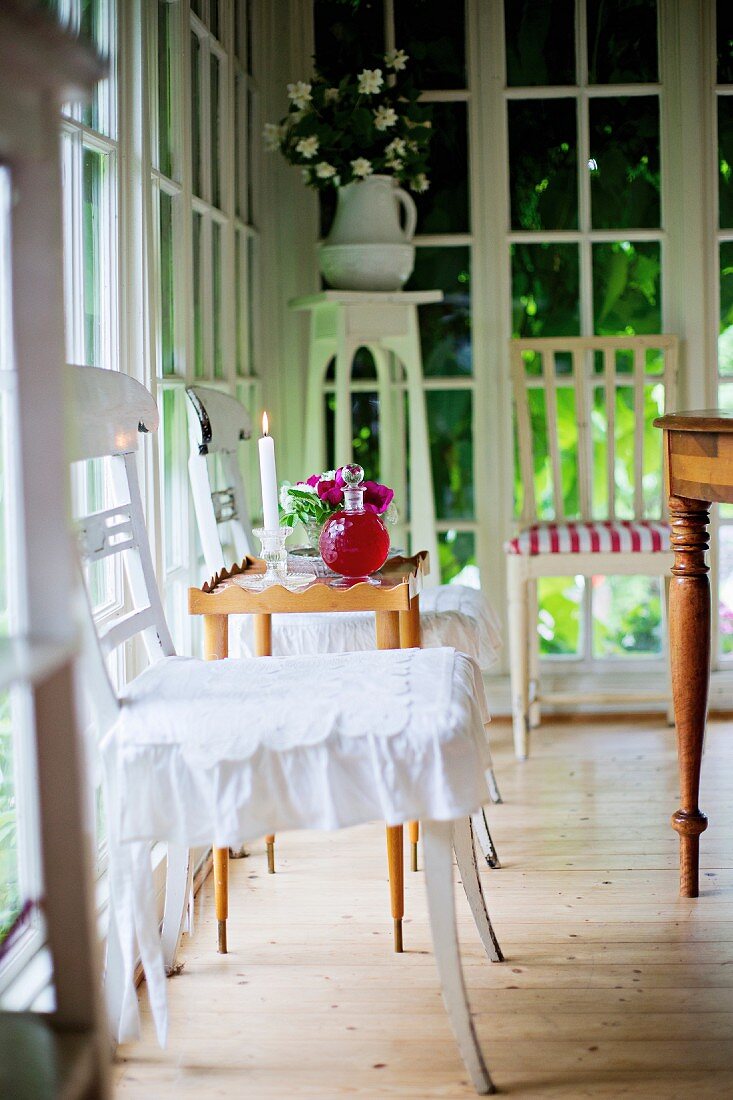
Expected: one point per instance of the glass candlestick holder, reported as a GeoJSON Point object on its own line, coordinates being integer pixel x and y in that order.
{"type": "Point", "coordinates": [275, 557]}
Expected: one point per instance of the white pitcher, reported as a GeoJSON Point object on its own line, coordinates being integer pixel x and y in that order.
{"type": "Point", "coordinates": [367, 248]}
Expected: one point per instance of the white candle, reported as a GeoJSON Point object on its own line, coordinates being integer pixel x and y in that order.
{"type": "Point", "coordinates": [268, 479]}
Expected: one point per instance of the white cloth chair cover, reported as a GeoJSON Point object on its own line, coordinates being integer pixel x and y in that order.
{"type": "Point", "coordinates": [450, 615]}
{"type": "Point", "coordinates": [196, 755]}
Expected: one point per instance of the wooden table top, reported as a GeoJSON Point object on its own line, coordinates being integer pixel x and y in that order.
{"type": "Point", "coordinates": [699, 420]}
{"type": "Point", "coordinates": [400, 581]}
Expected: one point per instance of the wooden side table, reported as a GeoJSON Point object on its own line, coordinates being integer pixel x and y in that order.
{"type": "Point", "coordinates": [386, 323]}
{"type": "Point", "coordinates": [396, 606]}
{"type": "Point", "coordinates": [698, 448]}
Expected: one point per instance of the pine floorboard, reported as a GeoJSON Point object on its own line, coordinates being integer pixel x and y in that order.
{"type": "Point", "coordinates": [613, 985]}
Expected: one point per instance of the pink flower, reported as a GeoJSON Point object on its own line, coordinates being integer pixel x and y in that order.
{"type": "Point", "coordinates": [312, 480]}
{"type": "Point", "coordinates": [329, 491]}
{"type": "Point", "coordinates": [377, 498]}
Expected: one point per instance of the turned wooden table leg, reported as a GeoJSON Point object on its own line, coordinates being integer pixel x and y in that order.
{"type": "Point", "coordinates": [263, 648]}
{"type": "Point", "coordinates": [689, 640]}
{"type": "Point", "coordinates": [216, 648]}
{"type": "Point", "coordinates": [388, 637]}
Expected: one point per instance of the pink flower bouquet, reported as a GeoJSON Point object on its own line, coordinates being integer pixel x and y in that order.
{"type": "Point", "coordinates": [314, 500]}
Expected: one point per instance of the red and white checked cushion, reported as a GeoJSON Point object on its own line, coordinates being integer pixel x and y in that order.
{"type": "Point", "coordinates": [601, 537]}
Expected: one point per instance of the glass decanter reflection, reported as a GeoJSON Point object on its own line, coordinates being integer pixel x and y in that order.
{"type": "Point", "coordinates": [354, 542]}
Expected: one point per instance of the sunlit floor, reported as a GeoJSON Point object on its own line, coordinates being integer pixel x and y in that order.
{"type": "Point", "coordinates": [613, 986]}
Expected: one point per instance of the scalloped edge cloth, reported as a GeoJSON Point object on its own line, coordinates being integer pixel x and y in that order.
{"type": "Point", "coordinates": [450, 615]}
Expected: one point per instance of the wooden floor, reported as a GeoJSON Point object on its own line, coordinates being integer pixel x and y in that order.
{"type": "Point", "coordinates": [613, 986]}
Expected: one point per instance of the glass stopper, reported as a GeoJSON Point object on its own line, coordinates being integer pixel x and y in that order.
{"type": "Point", "coordinates": [353, 475]}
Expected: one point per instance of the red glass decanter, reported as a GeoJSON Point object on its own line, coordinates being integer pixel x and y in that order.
{"type": "Point", "coordinates": [354, 542]}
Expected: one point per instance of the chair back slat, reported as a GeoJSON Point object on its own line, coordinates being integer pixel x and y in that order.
{"type": "Point", "coordinates": [639, 394]}
{"type": "Point", "coordinates": [609, 387]}
{"type": "Point", "coordinates": [551, 420]}
{"type": "Point", "coordinates": [125, 628]}
{"type": "Point", "coordinates": [582, 380]}
{"type": "Point", "coordinates": [217, 424]}
{"type": "Point", "coordinates": [618, 373]}
{"type": "Point", "coordinates": [524, 432]}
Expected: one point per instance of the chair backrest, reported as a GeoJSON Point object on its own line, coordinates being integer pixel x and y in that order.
{"type": "Point", "coordinates": [217, 424]}
{"type": "Point", "coordinates": [110, 410]}
{"type": "Point", "coordinates": [584, 409]}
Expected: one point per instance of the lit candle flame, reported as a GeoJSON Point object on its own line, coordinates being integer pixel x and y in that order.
{"type": "Point", "coordinates": [265, 424]}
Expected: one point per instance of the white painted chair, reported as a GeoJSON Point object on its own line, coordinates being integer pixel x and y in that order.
{"type": "Point", "coordinates": [610, 532]}
{"type": "Point", "coordinates": [450, 615]}
{"type": "Point", "coordinates": [231, 749]}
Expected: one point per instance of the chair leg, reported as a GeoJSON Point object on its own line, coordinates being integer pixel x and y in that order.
{"type": "Point", "coordinates": [221, 896]}
{"type": "Point", "coordinates": [438, 856]}
{"type": "Point", "coordinates": [463, 845]}
{"type": "Point", "coordinates": [485, 841]}
{"type": "Point", "coordinates": [178, 879]}
{"type": "Point", "coordinates": [414, 833]}
{"type": "Point", "coordinates": [494, 792]}
{"type": "Point", "coordinates": [395, 860]}
{"type": "Point", "coordinates": [533, 640]}
{"type": "Point", "coordinates": [270, 842]}
{"type": "Point", "coordinates": [518, 653]}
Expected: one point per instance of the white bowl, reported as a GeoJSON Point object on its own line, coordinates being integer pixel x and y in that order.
{"type": "Point", "coordinates": [366, 266]}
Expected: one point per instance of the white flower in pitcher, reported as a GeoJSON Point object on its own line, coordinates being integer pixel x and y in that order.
{"type": "Point", "coordinates": [370, 81]}
{"type": "Point", "coordinates": [396, 59]}
{"type": "Point", "coordinates": [396, 148]}
{"type": "Point", "coordinates": [361, 167]}
{"type": "Point", "coordinates": [384, 117]}
{"type": "Point", "coordinates": [331, 95]}
{"type": "Point", "coordinates": [299, 93]}
{"type": "Point", "coordinates": [308, 146]}
{"type": "Point", "coordinates": [324, 170]}
{"type": "Point", "coordinates": [420, 183]}
{"type": "Point", "coordinates": [306, 174]}
{"type": "Point", "coordinates": [272, 135]}
{"type": "Point", "coordinates": [286, 501]}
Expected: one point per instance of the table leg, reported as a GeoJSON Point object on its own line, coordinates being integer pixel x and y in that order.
{"type": "Point", "coordinates": [388, 637]}
{"type": "Point", "coordinates": [216, 648]}
{"type": "Point", "coordinates": [263, 648]}
{"type": "Point", "coordinates": [410, 638]}
{"type": "Point", "coordinates": [689, 640]}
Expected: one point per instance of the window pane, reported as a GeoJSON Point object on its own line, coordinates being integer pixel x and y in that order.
{"type": "Point", "coordinates": [195, 115]}
{"type": "Point", "coordinates": [199, 366]}
{"type": "Point", "coordinates": [216, 297]}
{"type": "Point", "coordinates": [165, 89]}
{"type": "Point", "coordinates": [174, 461]}
{"type": "Point", "coordinates": [433, 35]}
{"type": "Point", "coordinates": [627, 616]}
{"type": "Point", "coordinates": [450, 427]}
{"type": "Point", "coordinates": [93, 169]}
{"type": "Point", "coordinates": [622, 41]}
{"type": "Point", "coordinates": [545, 290]}
{"type": "Point", "coordinates": [252, 303]}
{"type": "Point", "coordinates": [725, 337]}
{"type": "Point", "coordinates": [725, 159]}
{"type": "Point", "coordinates": [540, 42]}
{"type": "Point", "coordinates": [725, 41]}
{"type": "Point", "coordinates": [445, 328]}
{"type": "Point", "coordinates": [543, 164]}
{"type": "Point", "coordinates": [215, 132]}
{"type": "Point", "coordinates": [215, 18]}
{"type": "Point", "coordinates": [457, 554]}
{"type": "Point", "coordinates": [10, 894]}
{"type": "Point", "coordinates": [348, 35]}
{"type": "Point", "coordinates": [241, 305]}
{"type": "Point", "coordinates": [626, 288]}
{"type": "Point", "coordinates": [624, 144]}
{"type": "Point", "coordinates": [240, 148]}
{"type": "Point", "coordinates": [444, 207]}
{"type": "Point", "coordinates": [167, 305]}
{"type": "Point", "coordinates": [560, 616]}
{"type": "Point", "coordinates": [365, 426]}
{"type": "Point", "coordinates": [94, 18]}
